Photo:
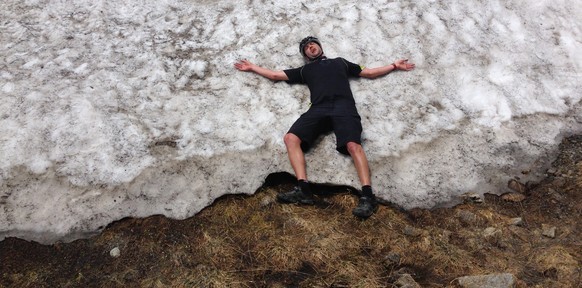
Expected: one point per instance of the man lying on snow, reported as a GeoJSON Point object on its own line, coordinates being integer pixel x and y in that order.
{"type": "Point", "coordinates": [332, 109]}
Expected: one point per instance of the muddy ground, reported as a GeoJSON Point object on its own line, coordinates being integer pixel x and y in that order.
{"type": "Point", "coordinates": [533, 232]}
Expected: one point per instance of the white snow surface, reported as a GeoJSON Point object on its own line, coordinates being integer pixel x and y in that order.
{"type": "Point", "coordinates": [112, 109]}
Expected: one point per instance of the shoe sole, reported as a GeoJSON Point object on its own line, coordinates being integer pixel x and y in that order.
{"type": "Point", "coordinates": [287, 201]}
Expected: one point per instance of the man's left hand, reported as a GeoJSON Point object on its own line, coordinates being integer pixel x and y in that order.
{"type": "Point", "coordinates": [403, 64]}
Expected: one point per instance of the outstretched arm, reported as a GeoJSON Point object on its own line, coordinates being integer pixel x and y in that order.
{"type": "Point", "coordinates": [401, 64]}
{"type": "Point", "coordinates": [245, 65]}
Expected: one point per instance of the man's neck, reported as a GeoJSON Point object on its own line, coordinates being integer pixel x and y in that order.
{"type": "Point", "coordinates": [320, 57]}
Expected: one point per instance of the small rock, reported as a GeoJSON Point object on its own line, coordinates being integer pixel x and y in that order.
{"type": "Point", "coordinates": [411, 231]}
{"type": "Point", "coordinates": [267, 201]}
{"type": "Point", "coordinates": [392, 259]}
{"type": "Point", "coordinates": [513, 197]}
{"type": "Point", "coordinates": [516, 186]}
{"type": "Point", "coordinates": [472, 197]}
{"type": "Point", "coordinates": [491, 231]}
{"type": "Point", "coordinates": [551, 191]}
{"type": "Point", "coordinates": [467, 217]}
{"type": "Point", "coordinates": [552, 171]}
{"type": "Point", "coordinates": [406, 281]}
{"type": "Point", "coordinates": [548, 231]}
{"type": "Point", "coordinates": [518, 221]}
{"type": "Point", "coordinates": [502, 280]}
{"type": "Point", "coordinates": [115, 252]}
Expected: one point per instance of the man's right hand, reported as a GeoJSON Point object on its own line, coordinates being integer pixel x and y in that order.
{"type": "Point", "coordinates": [244, 65]}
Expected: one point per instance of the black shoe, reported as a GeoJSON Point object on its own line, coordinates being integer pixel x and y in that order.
{"type": "Point", "coordinates": [366, 207]}
{"type": "Point", "coordinates": [296, 196]}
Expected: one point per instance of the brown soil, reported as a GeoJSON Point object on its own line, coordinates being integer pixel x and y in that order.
{"type": "Point", "coordinates": [252, 241]}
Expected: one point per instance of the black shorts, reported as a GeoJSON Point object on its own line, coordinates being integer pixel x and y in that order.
{"type": "Point", "coordinates": [315, 122]}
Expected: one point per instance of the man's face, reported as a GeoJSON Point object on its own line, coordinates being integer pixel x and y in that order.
{"type": "Point", "coordinates": [312, 50]}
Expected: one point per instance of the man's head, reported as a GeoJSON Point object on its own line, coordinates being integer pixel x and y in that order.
{"type": "Point", "coordinates": [310, 48]}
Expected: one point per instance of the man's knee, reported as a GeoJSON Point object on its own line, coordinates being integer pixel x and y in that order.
{"type": "Point", "coordinates": [354, 148]}
{"type": "Point", "coordinates": [291, 139]}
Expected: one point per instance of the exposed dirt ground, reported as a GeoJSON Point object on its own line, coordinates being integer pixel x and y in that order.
{"type": "Point", "coordinates": [253, 241]}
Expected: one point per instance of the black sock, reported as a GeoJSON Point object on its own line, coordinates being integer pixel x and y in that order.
{"type": "Point", "coordinates": [367, 191]}
{"type": "Point", "coordinates": [304, 185]}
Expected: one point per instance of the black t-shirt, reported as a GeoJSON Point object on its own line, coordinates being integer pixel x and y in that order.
{"type": "Point", "coordinates": [327, 80]}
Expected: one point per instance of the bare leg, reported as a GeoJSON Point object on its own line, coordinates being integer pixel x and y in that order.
{"type": "Point", "coordinates": [360, 161]}
{"type": "Point", "coordinates": [296, 156]}
{"type": "Point", "coordinates": [301, 194]}
{"type": "Point", "coordinates": [367, 205]}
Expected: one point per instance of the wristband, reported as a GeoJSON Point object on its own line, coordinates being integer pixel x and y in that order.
{"type": "Point", "coordinates": [395, 68]}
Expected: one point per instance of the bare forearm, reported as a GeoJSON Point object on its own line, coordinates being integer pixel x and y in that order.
{"type": "Point", "coordinates": [247, 66]}
{"type": "Point", "coordinates": [378, 71]}
{"type": "Point", "coordinates": [268, 73]}
{"type": "Point", "coordinates": [401, 64]}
